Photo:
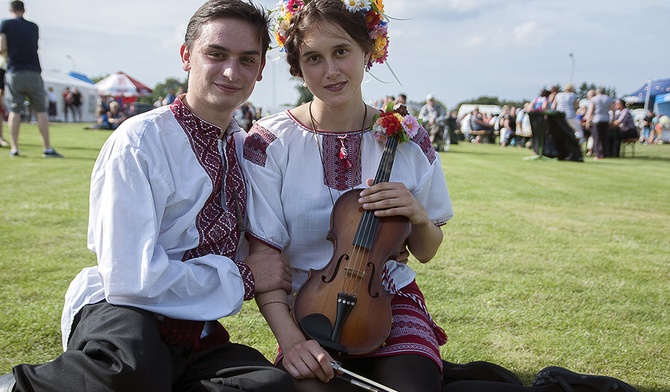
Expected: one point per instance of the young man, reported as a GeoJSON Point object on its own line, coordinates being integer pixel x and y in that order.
{"type": "Point", "coordinates": [167, 207]}
{"type": "Point", "coordinates": [19, 42]}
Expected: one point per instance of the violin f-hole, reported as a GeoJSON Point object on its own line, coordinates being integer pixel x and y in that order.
{"type": "Point", "coordinates": [324, 279]}
{"type": "Point", "coordinates": [371, 281]}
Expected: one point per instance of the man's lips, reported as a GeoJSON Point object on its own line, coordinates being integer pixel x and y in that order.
{"type": "Point", "coordinates": [227, 88]}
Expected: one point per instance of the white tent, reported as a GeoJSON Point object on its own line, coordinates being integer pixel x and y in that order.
{"type": "Point", "coordinates": [121, 85]}
{"type": "Point", "coordinates": [88, 91]}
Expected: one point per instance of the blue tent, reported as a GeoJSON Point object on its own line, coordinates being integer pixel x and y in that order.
{"type": "Point", "coordinates": [652, 87]}
{"type": "Point", "coordinates": [81, 77]}
{"type": "Point", "coordinates": [662, 98]}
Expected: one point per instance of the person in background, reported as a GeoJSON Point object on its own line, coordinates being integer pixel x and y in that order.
{"type": "Point", "coordinates": [480, 123]}
{"type": "Point", "coordinates": [624, 126]}
{"type": "Point", "coordinates": [566, 102]}
{"type": "Point", "coordinates": [541, 102]}
{"type": "Point", "coordinates": [115, 115]}
{"type": "Point", "coordinates": [53, 103]}
{"type": "Point", "coordinates": [19, 42]}
{"type": "Point", "coordinates": [647, 127]}
{"type": "Point", "coordinates": [167, 208]}
{"type": "Point", "coordinates": [400, 100]}
{"type": "Point", "coordinates": [170, 97]}
{"type": "Point", "coordinates": [67, 103]}
{"type": "Point", "coordinates": [432, 115]}
{"type": "Point", "coordinates": [3, 69]}
{"type": "Point", "coordinates": [77, 101]}
{"type": "Point", "coordinates": [598, 120]}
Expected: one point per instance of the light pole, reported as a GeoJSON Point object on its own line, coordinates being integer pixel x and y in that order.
{"type": "Point", "coordinates": [572, 70]}
{"type": "Point", "coordinates": [74, 65]}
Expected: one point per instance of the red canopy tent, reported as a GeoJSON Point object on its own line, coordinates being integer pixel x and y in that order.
{"type": "Point", "coordinates": [122, 87]}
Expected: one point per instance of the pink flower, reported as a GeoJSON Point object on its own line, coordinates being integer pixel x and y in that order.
{"type": "Point", "coordinates": [411, 125]}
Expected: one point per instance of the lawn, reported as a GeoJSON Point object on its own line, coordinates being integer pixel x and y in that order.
{"type": "Point", "coordinates": [545, 262]}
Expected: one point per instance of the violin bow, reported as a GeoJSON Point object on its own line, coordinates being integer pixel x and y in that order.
{"type": "Point", "coordinates": [360, 381]}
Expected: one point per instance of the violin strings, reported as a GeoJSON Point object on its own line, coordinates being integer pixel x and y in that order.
{"type": "Point", "coordinates": [368, 222]}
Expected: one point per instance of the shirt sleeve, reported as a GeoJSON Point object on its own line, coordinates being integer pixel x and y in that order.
{"type": "Point", "coordinates": [262, 166]}
{"type": "Point", "coordinates": [135, 246]}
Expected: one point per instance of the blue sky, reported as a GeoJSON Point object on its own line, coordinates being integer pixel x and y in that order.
{"type": "Point", "coordinates": [454, 49]}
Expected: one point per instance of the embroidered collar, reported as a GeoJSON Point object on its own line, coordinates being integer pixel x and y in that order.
{"type": "Point", "coordinates": [196, 124]}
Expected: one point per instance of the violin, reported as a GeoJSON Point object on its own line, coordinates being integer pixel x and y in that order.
{"type": "Point", "coordinates": [344, 306]}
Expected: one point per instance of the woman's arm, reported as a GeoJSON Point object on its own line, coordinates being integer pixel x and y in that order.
{"type": "Point", "coordinates": [302, 358]}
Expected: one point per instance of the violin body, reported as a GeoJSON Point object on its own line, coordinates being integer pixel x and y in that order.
{"type": "Point", "coordinates": [344, 305]}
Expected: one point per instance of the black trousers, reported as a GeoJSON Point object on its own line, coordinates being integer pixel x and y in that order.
{"type": "Point", "coordinates": [118, 348]}
{"type": "Point", "coordinates": [601, 142]}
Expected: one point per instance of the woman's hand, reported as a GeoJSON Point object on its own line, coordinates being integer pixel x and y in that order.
{"type": "Point", "coordinates": [307, 359]}
{"type": "Point", "coordinates": [393, 199]}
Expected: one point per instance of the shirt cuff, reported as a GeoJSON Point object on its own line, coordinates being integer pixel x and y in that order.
{"type": "Point", "coordinates": [248, 279]}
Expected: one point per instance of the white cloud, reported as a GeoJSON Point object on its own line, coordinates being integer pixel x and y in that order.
{"type": "Point", "coordinates": [455, 49]}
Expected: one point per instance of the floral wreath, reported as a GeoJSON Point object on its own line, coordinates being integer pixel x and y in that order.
{"type": "Point", "coordinates": [395, 123]}
{"type": "Point", "coordinates": [374, 17]}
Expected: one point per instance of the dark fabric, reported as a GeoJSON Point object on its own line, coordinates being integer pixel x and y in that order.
{"type": "Point", "coordinates": [493, 386]}
{"type": "Point", "coordinates": [406, 373]}
{"type": "Point", "coordinates": [553, 137]}
{"type": "Point", "coordinates": [186, 334]}
{"type": "Point", "coordinates": [22, 37]}
{"type": "Point", "coordinates": [117, 348]}
{"type": "Point", "coordinates": [600, 134]}
{"type": "Point", "coordinates": [620, 136]}
{"type": "Point", "coordinates": [478, 370]}
{"type": "Point", "coordinates": [563, 137]}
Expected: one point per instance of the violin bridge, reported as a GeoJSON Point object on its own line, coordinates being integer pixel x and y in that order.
{"type": "Point", "coordinates": [354, 272]}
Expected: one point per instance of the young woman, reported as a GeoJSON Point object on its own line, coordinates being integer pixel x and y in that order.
{"type": "Point", "coordinates": [300, 162]}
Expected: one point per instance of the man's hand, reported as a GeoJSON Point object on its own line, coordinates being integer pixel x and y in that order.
{"type": "Point", "coordinates": [270, 270]}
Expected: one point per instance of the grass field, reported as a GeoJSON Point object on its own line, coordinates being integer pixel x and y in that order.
{"type": "Point", "coordinates": [545, 262]}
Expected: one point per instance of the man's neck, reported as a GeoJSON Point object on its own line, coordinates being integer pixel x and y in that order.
{"type": "Point", "coordinates": [221, 119]}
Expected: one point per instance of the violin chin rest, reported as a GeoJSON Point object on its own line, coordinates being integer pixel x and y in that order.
{"type": "Point", "coordinates": [317, 326]}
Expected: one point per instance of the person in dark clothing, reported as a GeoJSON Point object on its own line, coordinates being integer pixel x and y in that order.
{"type": "Point", "coordinates": [19, 42]}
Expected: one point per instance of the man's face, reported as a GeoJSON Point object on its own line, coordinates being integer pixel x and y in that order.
{"type": "Point", "coordinates": [224, 64]}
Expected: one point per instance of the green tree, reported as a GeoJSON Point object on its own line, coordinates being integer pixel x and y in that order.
{"type": "Point", "coordinates": [161, 89]}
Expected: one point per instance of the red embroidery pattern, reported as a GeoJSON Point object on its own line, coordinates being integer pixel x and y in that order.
{"type": "Point", "coordinates": [256, 145]}
{"type": "Point", "coordinates": [339, 168]}
{"type": "Point", "coordinates": [413, 331]}
{"type": "Point", "coordinates": [422, 138]}
{"type": "Point", "coordinates": [216, 224]}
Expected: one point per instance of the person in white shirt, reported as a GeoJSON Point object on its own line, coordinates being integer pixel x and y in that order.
{"type": "Point", "coordinates": [167, 212]}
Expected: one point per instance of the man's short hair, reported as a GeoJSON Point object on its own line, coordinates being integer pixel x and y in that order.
{"type": "Point", "coordinates": [236, 9]}
{"type": "Point", "coordinates": [17, 6]}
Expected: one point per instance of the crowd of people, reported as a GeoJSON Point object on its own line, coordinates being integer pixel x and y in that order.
{"type": "Point", "coordinates": [599, 123]}
{"type": "Point", "coordinates": [190, 216]}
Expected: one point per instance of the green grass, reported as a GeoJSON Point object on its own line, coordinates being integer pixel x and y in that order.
{"type": "Point", "coordinates": [545, 262]}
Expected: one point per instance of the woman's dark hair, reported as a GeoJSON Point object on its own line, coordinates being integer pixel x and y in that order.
{"type": "Point", "coordinates": [316, 13]}
{"type": "Point", "coordinates": [237, 9]}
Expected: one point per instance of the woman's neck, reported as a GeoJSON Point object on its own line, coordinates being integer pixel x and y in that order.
{"type": "Point", "coordinates": [343, 118]}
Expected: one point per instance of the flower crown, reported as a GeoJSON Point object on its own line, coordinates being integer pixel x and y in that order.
{"type": "Point", "coordinates": [395, 123]}
{"type": "Point", "coordinates": [374, 17]}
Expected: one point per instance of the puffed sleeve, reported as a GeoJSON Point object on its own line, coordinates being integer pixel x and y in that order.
{"type": "Point", "coordinates": [262, 166]}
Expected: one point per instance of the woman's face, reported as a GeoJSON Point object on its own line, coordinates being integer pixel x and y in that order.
{"type": "Point", "coordinates": [332, 64]}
